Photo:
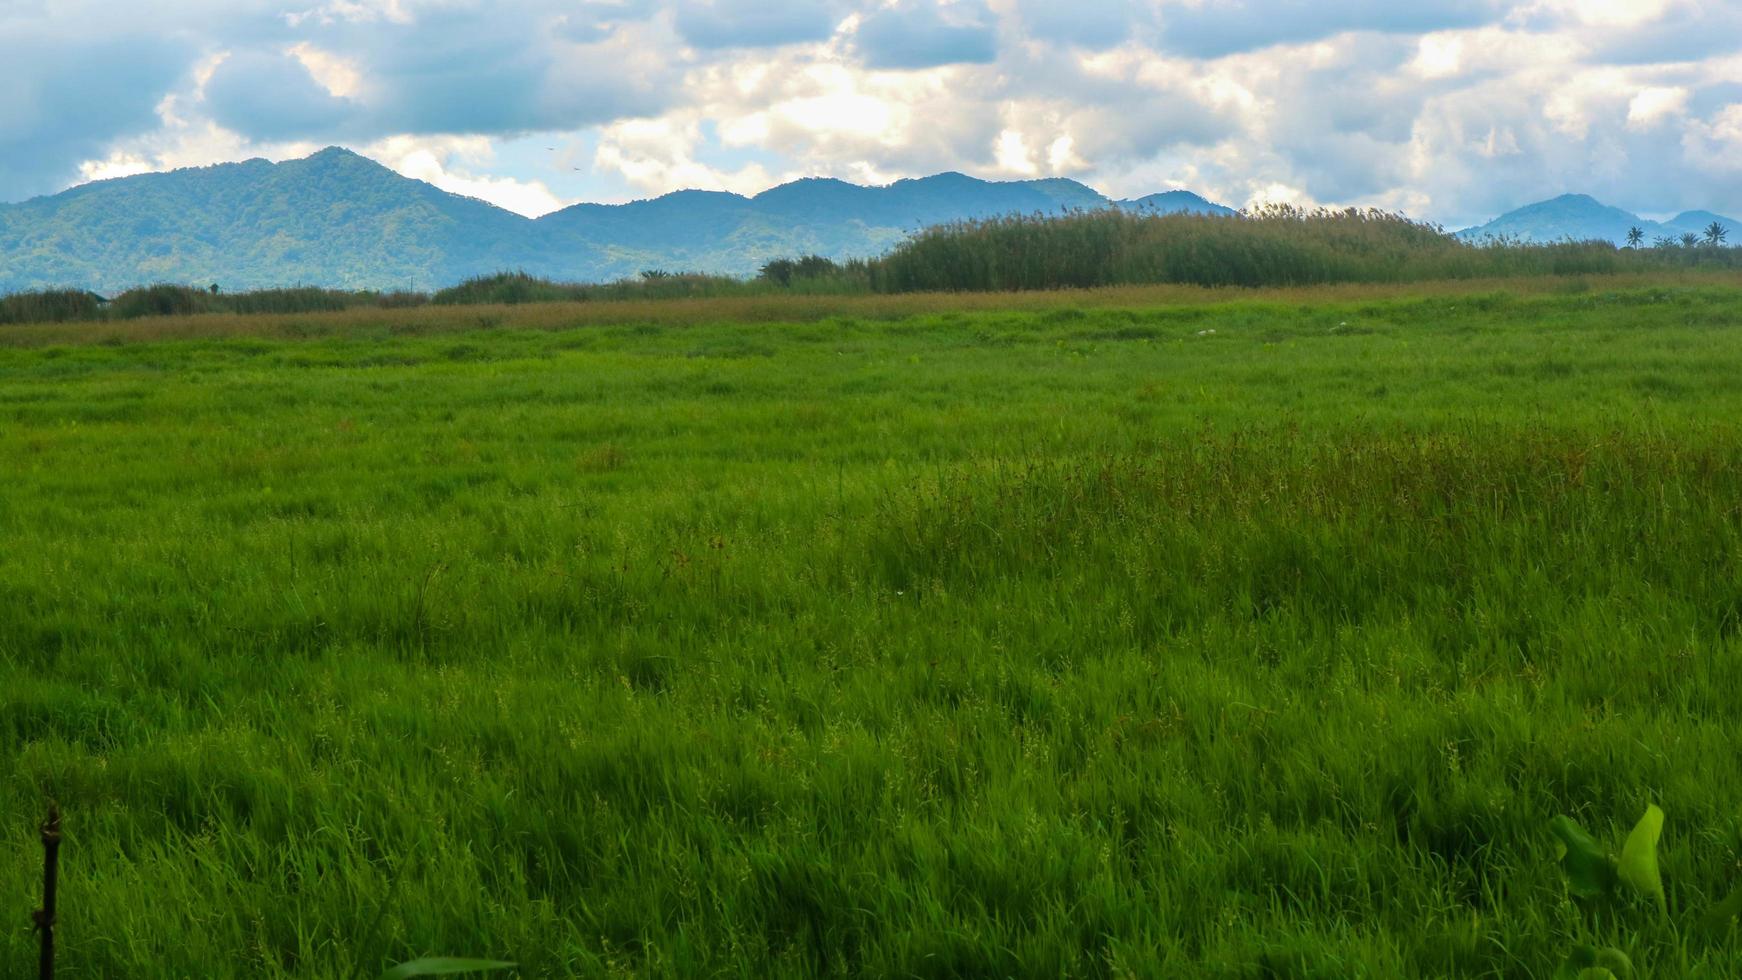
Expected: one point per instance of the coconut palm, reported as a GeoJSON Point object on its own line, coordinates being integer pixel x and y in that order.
{"type": "Point", "coordinates": [1715, 234]}
{"type": "Point", "coordinates": [1635, 235]}
{"type": "Point", "coordinates": [1689, 239]}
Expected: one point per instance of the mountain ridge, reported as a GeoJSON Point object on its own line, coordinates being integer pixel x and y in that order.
{"type": "Point", "coordinates": [336, 218]}
{"type": "Point", "coordinates": [1582, 217]}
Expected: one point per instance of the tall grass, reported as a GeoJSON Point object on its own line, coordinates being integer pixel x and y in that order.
{"type": "Point", "coordinates": [813, 275]}
{"type": "Point", "coordinates": [169, 299]}
{"type": "Point", "coordinates": [513, 288]}
{"type": "Point", "coordinates": [50, 306]}
{"type": "Point", "coordinates": [1275, 246]}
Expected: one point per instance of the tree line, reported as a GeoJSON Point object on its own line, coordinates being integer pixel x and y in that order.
{"type": "Point", "coordinates": [1715, 236]}
{"type": "Point", "coordinates": [1272, 246]}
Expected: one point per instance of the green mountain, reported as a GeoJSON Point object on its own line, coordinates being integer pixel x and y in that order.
{"type": "Point", "coordinates": [333, 219]}
{"type": "Point", "coordinates": [338, 219]}
{"type": "Point", "coordinates": [1581, 217]}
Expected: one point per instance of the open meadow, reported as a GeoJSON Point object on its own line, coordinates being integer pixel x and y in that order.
{"type": "Point", "coordinates": [1129, 633]}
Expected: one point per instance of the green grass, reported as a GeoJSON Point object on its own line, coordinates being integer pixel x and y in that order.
{"type": "Point", "coordinates": [1037, 642]}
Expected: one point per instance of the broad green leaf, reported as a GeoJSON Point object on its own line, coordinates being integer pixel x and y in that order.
{"type": "Point", "coordinates": [1587, 962]}
{"type": "Point", "coordinates": [1614, 962]}
{"type": "Point", "coordinates": [1717, 920]}
{"type": "Point", "coordinates": [1590, 870]}
{"type": "Point", "coordinates": [1582, 958]}
{"type": "Point", "coordinates": [441, 966]}
{"type": "Point", "coordinates": [1638, 865]}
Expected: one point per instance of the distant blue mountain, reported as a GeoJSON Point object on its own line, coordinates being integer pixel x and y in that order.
{"type": "Point", "coordinates": [1697, 222]}
{"type": "Point", "coordinates": [1171, 202]}
{"type": "Point", "coordinates": [1580, 217]}
{"type": "Point", "coordinates": [339, 219]}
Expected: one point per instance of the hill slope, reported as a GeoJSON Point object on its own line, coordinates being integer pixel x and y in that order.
{"type": "Point", "coordinates": [339, 219]}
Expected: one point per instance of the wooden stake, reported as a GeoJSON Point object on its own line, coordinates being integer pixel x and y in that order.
{"type": "Point", "coordinates": [50, 871]}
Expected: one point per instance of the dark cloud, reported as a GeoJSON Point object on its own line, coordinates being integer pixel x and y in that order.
{"type": "Point", "coordinates": [1684, 34]}
{"type": "Point", "coordinates": [1363, 92]}
{"type": "Point", "coordinates": [592, 22]}
{"type": "Point", "coordinates": [461, 70]}
{"type": "Point", "coordinates": [926, 35]}
{"type": "Point", "coordinates": [272, 96]}
{"type": "Point", "coordinates": [1216, 29]}
{"type": "Point", "coordinates": [67, 99]}
{"type": "Point", "coordinates": [716, 24]}
{"type": "Point", "coordinates": [457, 74]}
{"type": "Point", "coordinates": [1145, 127]}
{"type": "Point", "coordinates": [1710, 99]}
{"type": "Point", "coordinates": [1093, 24]}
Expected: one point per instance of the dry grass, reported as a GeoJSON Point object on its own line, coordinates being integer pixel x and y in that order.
{"type": "Point", "coordinates": [788, 309]}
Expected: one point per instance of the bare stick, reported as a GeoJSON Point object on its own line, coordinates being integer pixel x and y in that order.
{"type": "Point", "coordinates": [50, 871]}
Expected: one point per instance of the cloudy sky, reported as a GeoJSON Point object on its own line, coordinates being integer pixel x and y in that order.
{"type": "Point", "coordinates": [1451, 110]}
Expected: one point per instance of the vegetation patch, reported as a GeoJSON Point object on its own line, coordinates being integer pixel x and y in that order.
{"type": "Point", "coordinates": [1088, 652]}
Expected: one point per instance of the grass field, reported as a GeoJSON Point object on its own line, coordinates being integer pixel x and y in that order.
{"type": "Point", "coordinates": [1106, 634]}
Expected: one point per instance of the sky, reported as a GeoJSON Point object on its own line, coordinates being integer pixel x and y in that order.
{"type": "Point", "coordinates": [1448, 110]}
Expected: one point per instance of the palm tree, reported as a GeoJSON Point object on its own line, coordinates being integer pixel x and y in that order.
{"type": "Point", "coordinates": [1715, 234]}
{"type": "Point", "coordinates": [1635, 235]}
{"type": "Point", "coordinates": [1689, 239]}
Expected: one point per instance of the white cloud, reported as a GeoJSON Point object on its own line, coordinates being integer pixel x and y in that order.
{"type": "Point", "coordinates": [339, 76]}
{"type": "Point", "coordinates": [118, 164]}
{"type": "Point", "coordinates": [1012, 156]}
{"type": "Point", "coordinates": [1276, 193]}
{"type": "Point", "coordinates": [1451, 108]}
{"type": "Point", "coordinates": [1500, 142]}
{"type": "Point", "coordinates": [1439, 55]}
{"type": "Point", "coordinates": [1061, 156]}
{"type": "Point", "coordinates": [1717, 143]}
{"type": "Point", "coordinates": [659, 156]}
{"type": "Point", "coordinates": [448, 162]}
{"type": "Point", "coordinates": [1652, 105]}
{"type": "Point", "coordinates": [1604, 13]}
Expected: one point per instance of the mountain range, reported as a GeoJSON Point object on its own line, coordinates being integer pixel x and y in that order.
{"type": "Point", "coordinates": [1581, 217]}
{"type": "Point", "coordinates": [341, 220]}
{"type": "Point", "coordinates": [338, 219]}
